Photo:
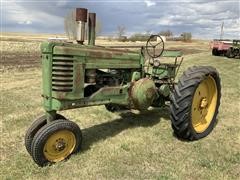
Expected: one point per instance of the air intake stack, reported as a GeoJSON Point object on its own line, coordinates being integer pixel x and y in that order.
{"type": "Point", "coordinates": [81, 18]}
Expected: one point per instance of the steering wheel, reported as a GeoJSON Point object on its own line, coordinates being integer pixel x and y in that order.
{"type": "Point", "coordinates": [155, 46]}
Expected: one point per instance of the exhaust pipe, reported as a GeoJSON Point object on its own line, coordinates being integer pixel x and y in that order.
{"type": "Point", "coordinates": [91, 28]}
{"type": "Point", "coordinates": [91, 73]}
{"type": "Point", "coordinates": [81, 18]}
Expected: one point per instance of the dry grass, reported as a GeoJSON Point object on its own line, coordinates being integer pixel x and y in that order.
{"type": "Point", "coordinates": [124, 146]}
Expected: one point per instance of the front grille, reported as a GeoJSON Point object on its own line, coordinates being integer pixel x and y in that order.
{"type": "Point", "coordinates": [62, 73]}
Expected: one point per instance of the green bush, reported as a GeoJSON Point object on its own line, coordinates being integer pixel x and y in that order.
{"type": "Point", "coordinates": [139, 37]}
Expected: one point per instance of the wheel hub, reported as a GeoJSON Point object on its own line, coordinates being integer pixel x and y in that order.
{"type": "Point", "coordinates": [60, 144]}
{"type": "Point", "coordinates": [203, 103]}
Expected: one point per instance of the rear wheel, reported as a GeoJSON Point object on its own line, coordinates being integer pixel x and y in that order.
{"type": "Point", "coordinates": [55, 142]}
{"type": "Point", "coordinates": [229, 53]}
{"type": "Point", "coordinates": [215, 52]}
{"type": "Point", "coordinates": [33, 129]}
{"type": "Point", "coordinates": [195, 102]}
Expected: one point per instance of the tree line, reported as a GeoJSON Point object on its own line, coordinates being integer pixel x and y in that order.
{"type": "Point", "coordinates": [70, 29]}
{"type": "Point", "coordinates": [121, 30]}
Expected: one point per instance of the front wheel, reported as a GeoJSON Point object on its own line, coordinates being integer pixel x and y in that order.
{"type": "Point", "coordinates": [55, 142]}
{"type": "Point", "coordinates": [194, 102]}
{"type": "Point", "coordinates": [33, 129]}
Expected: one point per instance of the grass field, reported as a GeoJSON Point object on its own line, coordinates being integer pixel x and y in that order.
{"type": "Point", "coordinates": [122, 146]}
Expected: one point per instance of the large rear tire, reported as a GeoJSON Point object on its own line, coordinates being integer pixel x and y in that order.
{"type": "Point", "coordinates": [215, 52]}
{"type": "Point", "coordinates": [229, 53]}
{"type": "Point", "coordinates": [194, 102]}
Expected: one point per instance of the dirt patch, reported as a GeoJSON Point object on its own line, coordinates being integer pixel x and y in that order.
{"type": "Point", "coordinates": [19, 59]}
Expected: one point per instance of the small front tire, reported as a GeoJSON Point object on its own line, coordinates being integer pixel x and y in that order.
{"type": "Point", "coordinates": [55, 142]}
{"type": "Point", "coordinates": [33, 129]}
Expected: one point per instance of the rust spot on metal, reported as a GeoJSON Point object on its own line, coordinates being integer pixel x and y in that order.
{"type": "Point", "coordinates": [120, 51]}
{"type": "Point", "coordinates": [132, 104]}
{"type": "Point", "coordinates": [99, 54]}
{"type": "Point", "coordinates": [150, 93]}
{"type": "Point", "coordinates": [79, 75]}
{"type": "Point", "coordinates": [104, 53]}
{"type": "Point", "coordinates": [60, 95]}
{"type": "Point", "coordinates": [81, 14]}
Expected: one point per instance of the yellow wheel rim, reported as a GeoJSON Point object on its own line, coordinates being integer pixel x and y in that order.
{"type": "Point", "coordinates": [59, 146]}
{"type": "Point", "coordinates": [204, 104]}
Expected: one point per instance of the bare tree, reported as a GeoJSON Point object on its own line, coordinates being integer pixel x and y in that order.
{"type": "Point", "coordinates": [121, 31]}
{"type": "Point", "coordinates": [167, 33]}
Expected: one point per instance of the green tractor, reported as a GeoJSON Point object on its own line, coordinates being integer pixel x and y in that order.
{"type": "Point", "coordinates": [234, 50]}
{"type": "Point", "coordinates": [76, 75]}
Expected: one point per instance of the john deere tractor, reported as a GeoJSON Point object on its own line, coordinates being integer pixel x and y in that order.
{"type": "Point", "coordinates": [77, 75]}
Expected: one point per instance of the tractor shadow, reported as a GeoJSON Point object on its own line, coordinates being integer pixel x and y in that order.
{"type": "Point", "coordinates": [128, 120]}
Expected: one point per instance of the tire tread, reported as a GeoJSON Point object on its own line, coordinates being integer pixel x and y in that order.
{"type": "Point", "coordinates": [181, 101]}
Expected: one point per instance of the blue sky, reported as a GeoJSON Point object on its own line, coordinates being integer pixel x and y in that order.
{"type": "Point", "coordinates": [201, 17]}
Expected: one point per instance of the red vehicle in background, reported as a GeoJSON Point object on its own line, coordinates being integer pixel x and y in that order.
{"type": "Point", "coordinates": [220, 47]}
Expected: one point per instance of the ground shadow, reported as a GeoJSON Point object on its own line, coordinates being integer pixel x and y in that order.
{"type": "Point", "coordinates": [188, 140]}
{"type": "Point", "coordinates": [128, 120]}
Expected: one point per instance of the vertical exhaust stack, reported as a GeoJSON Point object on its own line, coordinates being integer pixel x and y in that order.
{"type": "Point", "coordinates": [91, 73]}
{"type": "Point", "coordinates": [91, 28]}
{"type": "Point", "coordinates": [81, 18]}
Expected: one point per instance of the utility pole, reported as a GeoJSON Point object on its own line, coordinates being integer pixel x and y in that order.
{"type": "Point", "coordinates": [221, 35]}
